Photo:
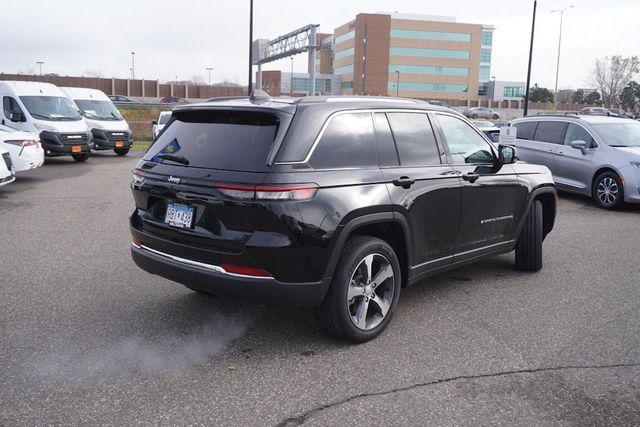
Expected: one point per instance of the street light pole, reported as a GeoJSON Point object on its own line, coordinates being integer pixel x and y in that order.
{"type": "Point", "coordinates": [291, 88]}
{"type": "Point", "coordinates": [40, 66]}
{"type": "Point", "coordinates": [250, 85]}
{"type": "Point", "coordinates": [133, 66]}
{"type": "Point", "coordinates": [397, 84]}
{"type": "Point", "coordinates": [209, 69]}
{"type": "Point", "coordinates": [555, 93]}
{"type": "Point", "coordinates": [533, 28]}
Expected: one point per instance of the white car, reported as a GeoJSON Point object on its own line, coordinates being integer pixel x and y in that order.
{"type": "Point", "coordinates": [6, 168]}
{"type": "Point", "coordinates": [24, 147]}
{"type": "Point", "coordinates": [159, 124]}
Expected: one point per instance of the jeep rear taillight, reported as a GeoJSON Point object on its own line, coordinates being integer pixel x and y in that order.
{"type": "Point", "coordinates": [275, 192]}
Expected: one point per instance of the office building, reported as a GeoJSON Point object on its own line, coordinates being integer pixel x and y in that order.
{"type": "Point", "coordinates": [414, 56]}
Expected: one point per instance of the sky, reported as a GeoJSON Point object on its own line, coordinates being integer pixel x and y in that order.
{"type": "Point", "coordinates": [182, 38]}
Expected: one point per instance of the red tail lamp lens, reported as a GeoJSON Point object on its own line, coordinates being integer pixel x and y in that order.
{"type": "Point", "coordinates": [269, 192]}
{"type": "Point", "coordinates": [245, 271]}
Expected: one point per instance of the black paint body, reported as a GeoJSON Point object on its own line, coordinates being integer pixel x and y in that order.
{"type": "Point", "coordinates": [436, 223]}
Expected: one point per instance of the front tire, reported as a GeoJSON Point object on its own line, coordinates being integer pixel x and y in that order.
{"type": "Point", "coordinates": [80, 157]}
{"type": "Point", "coordinates": [496, 117]}
{"type": "Point", "coordinates": [364, 291]}
{"type": "Point", "coordinates": [121, 151]}
{"type": "Point", "coordinates": [529, 244]}
{"type": "Point", "coordinates": [608, 191]}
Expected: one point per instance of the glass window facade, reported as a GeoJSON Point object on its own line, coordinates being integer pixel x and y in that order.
{"type": "Point", "coordinates": [423, 69]}
{"type": "Point", "coordinates": [429, 87]}
{"type": "Point", "coordinates": [343, 53]}
{"type": "Point", "coordinates": [487, 38]}
{"type": "Point", "coordinates": [430, 35]}
{"type": "Point", "coordinates": [346, 85]}
{"type": "Point", "coordinates": [343, 70]}
{"type": "Point", "coordinates": [513, 91]}
{"type": "Point", "coordinates": [485, 56]}
{"type": "Point", "coordinates": [345, 37]}
{"type": "Point", "coordinates": [429, 53]}
{"type": "Point", "coordinates": [302, 84]}
{"type": "Point", "coordinates": [485, 71]}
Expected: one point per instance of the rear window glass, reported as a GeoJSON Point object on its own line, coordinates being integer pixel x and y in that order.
{"type": "Point", "coordinates": [238, 141]}
{"type": "Point", "coordinates": [551, 132]}
{"type": "Point", "coordinates": [414, 138]}
{"type": "Point", "coordinates": [348, 141]}
{"type": "Point", "coordinates": [525, 129]}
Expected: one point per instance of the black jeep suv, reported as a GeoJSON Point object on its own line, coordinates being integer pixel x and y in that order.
{"type": "Point", "coordinates": [336, 203]}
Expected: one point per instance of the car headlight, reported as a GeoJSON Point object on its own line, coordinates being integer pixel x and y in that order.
{"type": "Point", "coordinates": [41, 126]}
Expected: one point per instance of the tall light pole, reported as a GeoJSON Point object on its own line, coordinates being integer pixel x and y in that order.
{"type": "Point", "coordinates": [493, 89]}
{"type": "Point", "coordinates": [397, 84]}
{"type": "Point", "coordinates": [291, 88]}
{"type": "Point", "coordinates": [209, 69]}
{"type": "Point", "coordinates": [533, 29]}
{"type": "Point", "coordinates": [250, 85]}
{"type": "Point", "coordinates": [555, 93]}
{"type": "Point", "coordinates": [40, 66]}
{"type": "Point", "coordinates": [133, 66]}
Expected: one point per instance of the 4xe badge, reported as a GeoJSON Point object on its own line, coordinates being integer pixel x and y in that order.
{"type": "Point", "coordinates": [174, 179]}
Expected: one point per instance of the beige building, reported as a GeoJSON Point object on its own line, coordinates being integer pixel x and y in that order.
{"type": "Point", "coordinates": [414, 56]}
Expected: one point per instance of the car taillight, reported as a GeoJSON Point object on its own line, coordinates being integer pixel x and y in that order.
{"type": "Point", "coordinates": [138, 176]}
{"type": "Point", "coordinates": [245, 271]}
{"type": "Point", "coordinates": [269, 192]}
{"type": "Point", "coordinates": [22, 143]}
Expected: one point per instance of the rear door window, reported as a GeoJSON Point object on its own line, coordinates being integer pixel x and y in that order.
{"type": "Point", "coordinates": [229, 140]}
{"type": "Point", "coordinates": [551, 132]}
{"type": "Point", "coordinates": [415, 139]}
{"type": "Point", "coordinates": [526, 130]}
{"type": "Point", "coordinates": [348, 141]}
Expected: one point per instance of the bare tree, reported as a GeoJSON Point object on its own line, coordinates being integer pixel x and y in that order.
{"type": "Point", "coordinates": [611, 74]}
{"type": "Point", "coordinates": [92, 73]}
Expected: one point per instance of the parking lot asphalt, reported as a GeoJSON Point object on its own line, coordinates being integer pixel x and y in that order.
{"type": "Point", "coordinates": [88, 338]}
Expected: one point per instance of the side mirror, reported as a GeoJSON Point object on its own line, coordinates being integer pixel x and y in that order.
{"type": "Point", "coordinates": [507, 154]}
{"type": "Point", "coordinates": [579, 145]}
{"type": "Point", "coordinates": [154, 122]}
{"type": "Point", "coordinates": [15, 116]}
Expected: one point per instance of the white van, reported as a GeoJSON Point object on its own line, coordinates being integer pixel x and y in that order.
{"type": "Point", "coordinates": [44, 109]}
{"type": "Point", "coordinates": [109, 129]}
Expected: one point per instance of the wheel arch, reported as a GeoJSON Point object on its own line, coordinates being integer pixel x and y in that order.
{"type": "Point", "coordinates": [388, 226]}
{"type": "Point", "coordinates": [601, 170]}
{"type": "Point", "coordinates": [548, 196]}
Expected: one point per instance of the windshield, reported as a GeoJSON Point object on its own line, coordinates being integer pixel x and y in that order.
{"type": "Point", "coordinates": [55, 108]}
{"type": "Point", "coordinates": [623, 134]}
{"type": "Point", "coordinates": [99, 110]}
{"type": "Point", "coordinates": [164, 119]}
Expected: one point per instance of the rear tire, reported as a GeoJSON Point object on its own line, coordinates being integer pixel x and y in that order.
{"type": "Point", "coordinates": [529, 244]}
{"type": "Point", "coordinates": [121, 151]}
{"type": "Point", "coordinates": [608, 191]}
{"type": "Point", "coordinates": [80, 157]}
{"type": "Point", "coordinates": [474, 116]}
{"type": "Point", "coordinates": [496, 117]}
{"type": "Point", "coordinates": [369, 310]}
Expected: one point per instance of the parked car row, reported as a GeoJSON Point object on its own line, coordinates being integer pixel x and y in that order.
{"type": "Point", "coordinates": [41, 120]}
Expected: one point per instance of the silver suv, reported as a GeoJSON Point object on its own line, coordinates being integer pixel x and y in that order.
{"type": "Point", "coordinates": [593, 155]}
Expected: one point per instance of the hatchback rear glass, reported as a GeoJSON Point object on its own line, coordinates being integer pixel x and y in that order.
{"type": "Point", "coordinates": [229, 140]}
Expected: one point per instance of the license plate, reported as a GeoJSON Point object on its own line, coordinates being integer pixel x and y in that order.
{"type": "Point", "coordinates": [76, 149]}
{"type": "Point", "coordinates": [180, 216]}
{"type": "Point", "coordinates": [119, 144]}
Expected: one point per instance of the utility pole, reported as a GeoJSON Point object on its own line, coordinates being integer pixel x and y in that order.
{"type": "Point", "coordinates": [133, 66]}
{"type": "Point", "coordinates": [40, 66]}
{"type": "Point", "coordinates": [209, 69]}
{"type": "Point", "coordinates": [250, 85]}
{"type": "Point", "coordinates": [533, 28]}
{"type": "Point", "coordinates": [397, 84]}
{"type": "Point", "coordinates": [291, 88]}
{"type": "Point", "coordinates": [364, 60]}
{"type": "Point", "coordinates": [555, 92]}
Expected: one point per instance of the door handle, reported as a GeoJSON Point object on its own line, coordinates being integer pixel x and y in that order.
{"type": "Point", "coordinates": [404, 182]}
{"type": "Point", "coordinates": [471, 177]}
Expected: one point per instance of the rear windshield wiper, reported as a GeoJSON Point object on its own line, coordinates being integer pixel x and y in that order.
{"type": "Point", "coordinates": [178, 159]}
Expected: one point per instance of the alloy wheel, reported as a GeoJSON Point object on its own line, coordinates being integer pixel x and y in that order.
{"type": "Point", "coordinates": [608, 191]}
{"type": "Point", "coordinates": [370, 291]}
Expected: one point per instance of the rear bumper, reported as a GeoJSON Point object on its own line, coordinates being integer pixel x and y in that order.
{"type": "Point", "coordinates": [214, 280]}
